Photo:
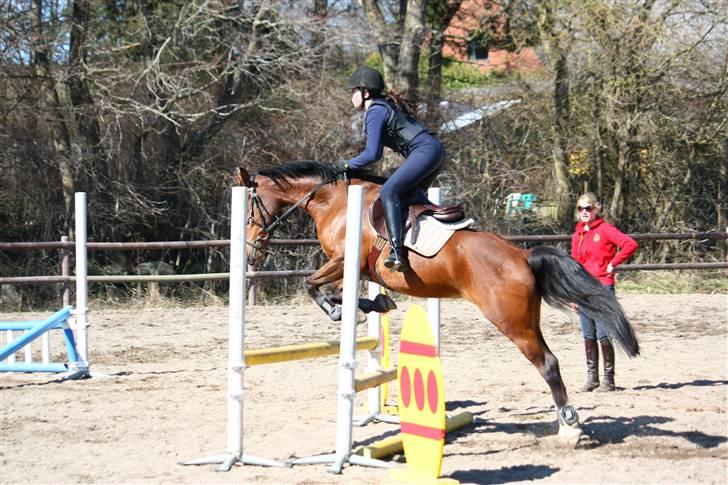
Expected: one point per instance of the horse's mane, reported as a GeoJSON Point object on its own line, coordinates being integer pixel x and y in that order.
{"type": "Point", "coordinates": [324, 171]}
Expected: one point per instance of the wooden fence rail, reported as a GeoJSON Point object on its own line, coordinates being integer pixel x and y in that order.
{"type": "Point", "coordinates": [257, 275]}
{"type": "Point", "coordinates": [6, 246]}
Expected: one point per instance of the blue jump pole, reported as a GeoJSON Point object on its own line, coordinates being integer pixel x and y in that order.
{"type": "Point", "coordinates": [32, 367]}
{"type": "Point", "coordinates": [77, 365]}
{"type": "Point", "coordinates": [26, 325]}
{"type": "Point", "coordinates": [42, 327]}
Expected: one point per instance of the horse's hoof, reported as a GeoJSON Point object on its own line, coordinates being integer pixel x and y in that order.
{"type": "Point", "coordinates": [569, 435]}
{"type": "Point", "coordinates": [383, 304]}
{"type": "Point", "coordinates": [366, 305]}
{"type": "Point", "coordinates": [335, 313]}
{"type": "Point", "coordinates": [569, 429]}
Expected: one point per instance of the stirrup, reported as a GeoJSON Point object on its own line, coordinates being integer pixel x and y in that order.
{"type": "Point", "coordinates": [393, 263]}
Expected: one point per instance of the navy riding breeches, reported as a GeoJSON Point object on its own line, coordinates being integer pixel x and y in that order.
{"type": "Point", "coordinates": [410, 181]}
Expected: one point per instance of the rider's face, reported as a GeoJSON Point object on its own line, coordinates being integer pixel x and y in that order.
{"type": "Point", "coordinates": [356, 97]}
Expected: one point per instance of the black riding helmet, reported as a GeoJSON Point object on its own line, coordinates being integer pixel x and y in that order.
{"type": "Point", "coordinates": [367, 78]}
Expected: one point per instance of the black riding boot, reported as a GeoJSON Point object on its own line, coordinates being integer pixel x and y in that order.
{"type": "Point", "coordinates": [592, 365]}
{"type": "Point", "coordinates": [608, 357]}
{"type": "Point", "coordinates": [397, 259]}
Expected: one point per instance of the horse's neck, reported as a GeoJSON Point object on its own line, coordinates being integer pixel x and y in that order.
{"type": "Point", "coordinates": [326, 204]}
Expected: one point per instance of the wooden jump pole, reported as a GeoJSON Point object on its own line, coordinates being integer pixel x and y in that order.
{"type": "Point", "coordinates": [375, 378]}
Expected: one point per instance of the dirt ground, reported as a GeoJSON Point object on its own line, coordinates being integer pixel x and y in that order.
{"type": "Point", "coordinates": [159, 397]}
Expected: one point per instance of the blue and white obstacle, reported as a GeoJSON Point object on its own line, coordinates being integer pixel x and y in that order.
{"type": "Point", "coordinates": [34, 330]}
{"type": "Point", "coordinates": [68, 320]}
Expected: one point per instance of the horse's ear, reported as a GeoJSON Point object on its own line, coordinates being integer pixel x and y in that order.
{"type": "Point", "coordinates": [241, 177]}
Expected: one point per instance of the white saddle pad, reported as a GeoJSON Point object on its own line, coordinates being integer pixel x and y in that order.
{"type": "Point", "coordinates": [429, 235]}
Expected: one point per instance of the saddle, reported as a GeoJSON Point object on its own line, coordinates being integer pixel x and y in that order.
{"type": "Point", "coordinates": [437, 224]}
{"type": "Point", "coordinates": [442, 213]}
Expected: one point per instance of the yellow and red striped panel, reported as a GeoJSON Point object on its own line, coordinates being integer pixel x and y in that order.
{"type": "Point", "coordinates": [421, 395]}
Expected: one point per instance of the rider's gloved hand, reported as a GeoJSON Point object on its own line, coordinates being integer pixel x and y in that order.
{"type": "Point", "coordinates": [343, 165]}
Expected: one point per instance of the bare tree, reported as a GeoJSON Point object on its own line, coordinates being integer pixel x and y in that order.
{"type": "Point", "coordinates": [399, 31]}
{"type": "Point", "coordinates": [557, 36]}
{"type": "Point", "coordinates": [441, 13]}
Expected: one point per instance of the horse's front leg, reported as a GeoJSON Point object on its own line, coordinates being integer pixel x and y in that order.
{"type": "Point", "coordinates": [381, 303]}
{"type": "Point", "coordinates": [331, 272]}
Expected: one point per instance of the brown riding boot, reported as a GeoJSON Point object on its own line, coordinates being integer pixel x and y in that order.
{"type": "Point", "coordinates": [608, 356]}
{"type": "Point", "coordinates": [592, 365]}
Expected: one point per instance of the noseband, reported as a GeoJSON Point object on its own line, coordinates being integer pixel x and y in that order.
{"type": "Point", "coordinates": [264, 214]}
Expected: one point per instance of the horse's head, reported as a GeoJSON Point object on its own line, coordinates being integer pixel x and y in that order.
{"type": "Point", "coordinates": [275, 193]}
{"type": "Point", "coordinates": [262, 209]}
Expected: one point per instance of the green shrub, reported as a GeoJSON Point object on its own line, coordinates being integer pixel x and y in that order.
{"type": "Point", "coordinates": [455, 74]}
{"type": "Point", "coordinates": [459, 75]}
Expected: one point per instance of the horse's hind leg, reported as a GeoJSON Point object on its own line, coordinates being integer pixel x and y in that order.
{"type": "Point", "coordinates": [520, 323]}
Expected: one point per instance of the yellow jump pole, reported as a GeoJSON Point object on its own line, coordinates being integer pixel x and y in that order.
{"type": "Point", "coordinates": [374, 379]}
{"type": "Point", "coordinates": [289, 353]}
{"type": "Point", "coordinates": [393, 445]}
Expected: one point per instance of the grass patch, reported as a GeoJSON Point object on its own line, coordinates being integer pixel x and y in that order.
{"type": "Point", "coordinates": [666, 282]}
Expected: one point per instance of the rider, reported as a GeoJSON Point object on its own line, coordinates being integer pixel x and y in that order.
{"type": "Point", "coordinates": [390, 121]}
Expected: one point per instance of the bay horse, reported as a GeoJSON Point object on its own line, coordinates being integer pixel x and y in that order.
{"type": "Point", "coordinates": [505, 282]}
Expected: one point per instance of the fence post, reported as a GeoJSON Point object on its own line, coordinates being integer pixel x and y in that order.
{"type": "Point", "coordinates": [251, 288]}
{"type": "Point", "coordinates": [65, 271]}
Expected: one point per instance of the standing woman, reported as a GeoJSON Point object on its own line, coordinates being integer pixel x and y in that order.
{"type": "Point", "coordinates": [390, 121]}
{"type": "Point", "coordinates": [594, 244]}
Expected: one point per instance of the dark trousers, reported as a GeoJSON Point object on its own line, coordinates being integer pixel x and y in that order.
{"type": "Point", "coordinates": [592, 329]}
{"type": "Point", "coordinates": [411, 180]}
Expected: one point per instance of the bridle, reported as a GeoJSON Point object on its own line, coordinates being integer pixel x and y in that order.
{"type": "Point", "coordinates": [267, 228]}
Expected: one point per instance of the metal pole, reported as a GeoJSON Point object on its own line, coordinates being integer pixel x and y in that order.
{"type": "Point", "coordinates": [236, 335]}
{"type": "Point", "coordinates": [433, 304]}
{"type": "Point", "coordinates": [236, 328]}
{"type": "Point", "coordinates": [350, 295]}
{"type": "Point", "coordinates": [81, 313]}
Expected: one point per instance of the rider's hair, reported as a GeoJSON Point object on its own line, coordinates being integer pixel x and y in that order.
{"type": "Point", "coordinates": [402, 102]}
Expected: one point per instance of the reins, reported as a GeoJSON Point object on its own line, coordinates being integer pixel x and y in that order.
{"type": "Point", "coordinates": [267, 229]}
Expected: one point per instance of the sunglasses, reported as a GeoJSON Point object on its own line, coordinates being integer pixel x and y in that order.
{"type": "Point", "coordinates": [587, 208]}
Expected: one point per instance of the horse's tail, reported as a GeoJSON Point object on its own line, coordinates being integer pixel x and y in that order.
{"type": "Point", "coordinates": [562, 280]}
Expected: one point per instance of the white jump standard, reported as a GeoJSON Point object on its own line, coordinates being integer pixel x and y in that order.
{"type": "Point", "coordinates": [67, 320]}
{"type": "Point", "coordinates": [236, 333]}
{"type": "Point", "coordinates": [347, 362]}
{"type": "Point", "coordinates": [346, 347]}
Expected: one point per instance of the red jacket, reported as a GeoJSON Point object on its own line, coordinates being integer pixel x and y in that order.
{"type": "Point", "coordinates": [596, 246]}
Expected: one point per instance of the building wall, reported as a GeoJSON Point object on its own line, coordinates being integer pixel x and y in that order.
{"type": "Point", "coordinates": [471, 16]}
